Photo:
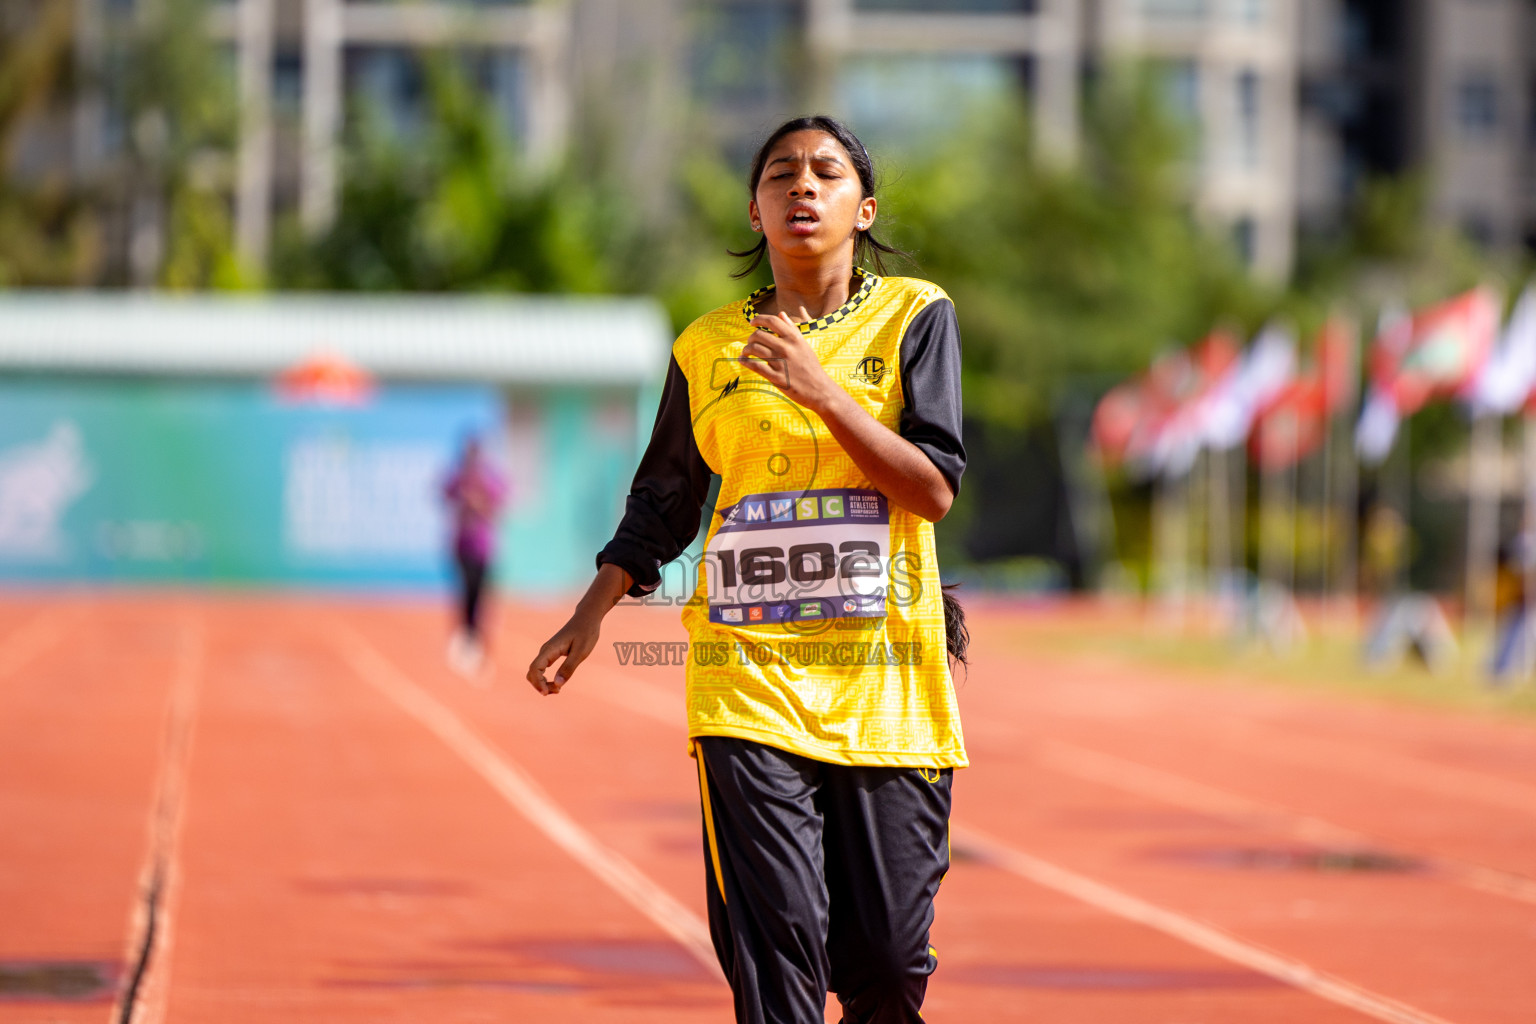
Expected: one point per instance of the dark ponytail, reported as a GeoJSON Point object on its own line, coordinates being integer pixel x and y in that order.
{"type": "Point", "coordinates": [866, 247]}
{"type": "Point", "coordinates": [957, 636]}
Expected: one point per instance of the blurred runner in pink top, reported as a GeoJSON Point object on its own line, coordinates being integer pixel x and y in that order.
{"type": "Point", "coordinates": [475, 493]}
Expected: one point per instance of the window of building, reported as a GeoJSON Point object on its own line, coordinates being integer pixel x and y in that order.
{"type": "Point", "coordinates": [1252, 12]}
{"type": "Point", "coordinates": [1174, 9]}
{"type": "Point", "coordinates": [897, 100]}
{"type": "Point", "coordinates": [1530, 123]}
{"type": "Point", "coordinates": [387, 83]}
{"type": "Point", "coordinates": [390, 83]}
{"type": "Point", "coordinates": [744, 54]}
{"type": "Point", "coordinates": [1477, 105]}
{"type": "Point", "coordinates": [1478, 228]}
{"type": "Point", "coordinates": [501, 77]}
{"type": "Point", "coordinates": [287, 83]}
{"type": "Point", "coordinates": [1249, 114]}
{"type": "Point", "coordinates": [1180, 84]}
{"type": "Point", "coordinates": [951, 6]}
{"type": "Point", "coordinates": [1245, 239]}
{"type": "Point", "coordinates": [1181, 88]}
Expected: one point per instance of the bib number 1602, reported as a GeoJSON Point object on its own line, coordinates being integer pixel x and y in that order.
{"type": "Point", "coordinates": [804, 563]}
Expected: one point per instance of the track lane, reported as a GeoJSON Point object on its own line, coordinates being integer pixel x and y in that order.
{"type": "Point", "coordinates": [1457, 786]}
{"type": "Point", "coordinates": [83, 706]}
{"type": "Point", "coordinates": [340, 863]}
{"type": "Point", "coordinates": [1401, 934]}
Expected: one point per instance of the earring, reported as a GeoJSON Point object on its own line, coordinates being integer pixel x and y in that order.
{"type": "Point", "coordinates": [757, 227]}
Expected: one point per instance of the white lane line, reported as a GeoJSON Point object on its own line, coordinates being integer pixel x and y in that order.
{"type": "Point", "coordinates": [1167, 787]}
{"type": "Point", "coordinates": [1195, 933]}
{"type": "Point", "coordinates": [520, 790]}
{"type": "Point", "coordinates": [29, 640]}
{"type": "Point", "coordinates": [1272, 736]}
{"type": "Point", "coordinates": [1400, 770]}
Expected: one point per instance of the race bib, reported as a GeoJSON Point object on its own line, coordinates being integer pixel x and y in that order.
{"type": "Point", "coordinates": [794, 556]}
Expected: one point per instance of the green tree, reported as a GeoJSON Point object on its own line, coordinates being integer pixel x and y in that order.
{"type": "Point", "coordinates": [47, 234]}
{"type": "Point", "coordinates": [175, 177]}
{"type": "Point", "coordinates": [1069, 271]}
{"type": "Point", "coordinates": [456, 208]}
{"type": "Point", "coordinates": [1389, 250]}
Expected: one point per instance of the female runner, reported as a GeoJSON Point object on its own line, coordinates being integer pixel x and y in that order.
{"type": "Point", "coordinates": [821, 709]}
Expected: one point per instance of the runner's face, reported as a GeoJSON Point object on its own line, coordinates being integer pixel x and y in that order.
{"type": "Point", "coordinates": [809, 201]}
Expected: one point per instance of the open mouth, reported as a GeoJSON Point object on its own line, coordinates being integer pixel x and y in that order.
{"type": "Point", "coordinates": [802, 219]}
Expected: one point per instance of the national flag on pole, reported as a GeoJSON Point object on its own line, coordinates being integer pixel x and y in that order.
{"type": "Point", "coordinates": [1127, 419]}
{"type": "Point", "coordinates": [1507, 378]}
{"type": "Point", "coordinates": [1213, 362]}
{"type": "Point", "coordinates": [1337, 361]}
{"type": "Point", "coordinates": [1118, 417]}
{"type": "Point", "coordinates": [1379, 416]}
{"type": "Point", "coordinates": [1152, 423]}
{"type": "Point", "coordinates": [1437, 353]}
{"type": "Point", "coordinates": [1266, 368]}
{"type": "Point", "coordinates": [1294, 424]}
{"type": "Point", "coordinates": [1447, 345]}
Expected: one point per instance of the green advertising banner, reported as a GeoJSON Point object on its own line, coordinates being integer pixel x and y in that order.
{"type": "Point", "coordinates": [209, 482]}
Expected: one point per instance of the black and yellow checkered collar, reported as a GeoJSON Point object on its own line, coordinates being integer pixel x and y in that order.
{"type": "Point", "coordinates": [867, 282]}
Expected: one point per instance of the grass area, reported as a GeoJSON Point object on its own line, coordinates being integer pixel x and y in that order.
{"type": "Point", "coordinates": [1328, 660]}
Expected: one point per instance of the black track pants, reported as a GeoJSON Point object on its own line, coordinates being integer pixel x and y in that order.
{"type": "Point", "coordinates": [821, 877]}
{"type": "Point", "coordinates": [472, 573]}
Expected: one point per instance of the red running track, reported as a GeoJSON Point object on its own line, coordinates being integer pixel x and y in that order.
{"type": "Point", "coordinates": [286, 809]}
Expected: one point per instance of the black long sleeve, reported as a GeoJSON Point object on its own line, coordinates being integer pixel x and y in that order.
{"type": "Point", "coordinates": [930, 385]}
{"type": "Point", "coordinates": [661, 514]}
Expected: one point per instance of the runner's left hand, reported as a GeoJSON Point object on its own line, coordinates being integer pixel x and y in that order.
{"type": "Point", "coordinates": [779, 353]}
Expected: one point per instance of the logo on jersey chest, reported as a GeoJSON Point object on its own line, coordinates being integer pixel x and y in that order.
{"type": "Point", "coordinates": [871, 370]}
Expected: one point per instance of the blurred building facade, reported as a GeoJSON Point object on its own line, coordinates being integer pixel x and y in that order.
{"type": "Point", "coordinates": [1445, 87]}
{"type": "Point", "coordinates": [1291, 103]}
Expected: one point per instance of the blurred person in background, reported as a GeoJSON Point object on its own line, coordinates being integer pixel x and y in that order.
{"type": "Point", "coordinates": [475, 493]}
{"type": "Point", "coordinates": [824, 782]}
{"type": "Point", "coordinates": [1385, 552]}
{"type": "Point", "coordinates": [1511, 651]}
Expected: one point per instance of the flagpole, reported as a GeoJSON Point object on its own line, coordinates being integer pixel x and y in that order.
{"type": "Point", "coordinates": [1240, 505]}
{"type": "Point", "coordinates": [1292, 498]}
{"type": "Point", "coordinates": [1268, 556]}
{"type": "Point", "coordinates": [1169, 540]}
{"type": "Point", "coordinates": [1349, 556]}
{"type": "Point", "coordinates": [1482, 519]}
{"type": "Point", "coordinates": [1527, 540]}
{"type": "Point", "coordinates": [1221, 524]}
{"type": "Point", "coordinates": [1201, 554]}
{"type": "Point", "coordinates": [1183, 488]}
{"type": "Point", "coordinates": [1404, 579]}
{"type": "Point", "coordinates": [1289, 614]}
{"type": "Point", "coordinates": [1328, 515]}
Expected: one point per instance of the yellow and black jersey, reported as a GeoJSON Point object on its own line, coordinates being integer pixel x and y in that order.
{"type": "Point", "coordinates": [817, 624]}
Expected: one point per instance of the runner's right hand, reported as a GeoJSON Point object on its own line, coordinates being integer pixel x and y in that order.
{"type": "Point", "coordinates": [573, 642]}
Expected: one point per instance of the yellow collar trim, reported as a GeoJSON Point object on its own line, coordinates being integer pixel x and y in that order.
{"type": "Point", "coordinates": [867, 282]}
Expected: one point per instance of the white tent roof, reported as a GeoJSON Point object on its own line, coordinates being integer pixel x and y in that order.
{"type": "Point", "coordinates": [502, 339]}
